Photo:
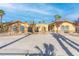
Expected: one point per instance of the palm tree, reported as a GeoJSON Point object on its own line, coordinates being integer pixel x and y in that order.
{"type": "Point", "coordinates": [1, 16]}
{"type": "Point", "coordinates": [48, 50]}
{"type": "Point", "coordinates": [5, 27]}
{"type": "Point", "coordinates": [57, 17]}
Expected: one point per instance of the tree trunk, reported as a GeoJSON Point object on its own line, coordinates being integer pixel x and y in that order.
{"type": "Point", "coordinates": [57, 29]}
{"type": "Point", "coordinates": [1, 24]}
{"type": "Point", "coordinates": [33, 30]}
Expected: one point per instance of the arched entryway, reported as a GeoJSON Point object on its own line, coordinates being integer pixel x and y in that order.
{"type": "Point", "coordinates": [37, 29]}
{"type": "Point", "coordinates": [44, 29]}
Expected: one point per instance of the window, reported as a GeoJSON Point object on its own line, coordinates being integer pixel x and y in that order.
{"type": "Point", "coordinates": [21, 28]}
{"type": "Point", "coordinates": [65, 28]}
{"type": "Point", "coordinates": [62, 28]}
{"type": "Point", "coordinates": [14, 28]}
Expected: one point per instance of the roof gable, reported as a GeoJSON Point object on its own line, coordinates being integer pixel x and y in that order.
{"type": "Point", "coordinates": [58, 23]}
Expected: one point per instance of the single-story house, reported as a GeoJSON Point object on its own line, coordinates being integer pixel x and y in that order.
{"type": "Point", "coordinates": [63, 26]}
{"type": "Point", "coordinates": [18, 27]}
{"type": "Point", "coordinates": [41, 27]}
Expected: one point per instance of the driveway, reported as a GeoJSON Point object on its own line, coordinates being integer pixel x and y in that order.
{"type": "Point", "coordinates": [67, 43]}
{"type": "Point", "coordinates": [47, 44]}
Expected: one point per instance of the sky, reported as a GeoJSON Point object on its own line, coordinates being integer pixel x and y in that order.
{"type": "Point", "coordinates": [39, 11]}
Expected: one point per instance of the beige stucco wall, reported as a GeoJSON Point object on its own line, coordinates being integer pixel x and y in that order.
{"type": "Point", "coordinates": [41, 26]}
{"type": "Point", "coordinates": [25, 26]}
{"type": "Point", "coordinates": [71, 27]}
{"type": "Point", "coordinates": [20, 24]}
{"type": "Point", "coordinates": [54, 28]}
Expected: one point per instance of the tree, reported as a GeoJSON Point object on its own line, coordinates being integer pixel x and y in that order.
{"type": "Point", "coordinates": [1, 16]}
{"type": "Point", "coordinates": [39, 22]}
{"type": "Point", "coordinates": [5, 27]}
{"type": "Point", "coordinates": [33, 26]}
{"type": "Point", "coordinates": [43, 21]}
{"type": "Point", "coordinates": [50, 27]}
{"type": "Point", "coordinates": [57, 17]}
{"type": "Point", "coordinates": [77, 25]}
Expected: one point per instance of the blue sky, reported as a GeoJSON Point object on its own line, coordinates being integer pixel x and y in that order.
{"type": "Point", "coordinates": [39, 11]}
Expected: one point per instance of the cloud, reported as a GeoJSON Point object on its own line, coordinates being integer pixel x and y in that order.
{"type": "Point", "coordinates": [30, 11]}
{"type": "Point", "coordinates": [5, 5]}
{"type": "Point", "coordinates": [44, 9]}
{"type": "Point", "coordinates": [73, 16]}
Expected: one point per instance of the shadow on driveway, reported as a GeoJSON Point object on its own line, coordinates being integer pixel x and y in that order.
{"type": "Point", "coordinates": [13, 41]}
{"type": "Point", "coordinates": [57, 37]}
{"type": "Point", "coordinates": [48, 51]}
{"type": "Point", "coordinates": [68, 41]}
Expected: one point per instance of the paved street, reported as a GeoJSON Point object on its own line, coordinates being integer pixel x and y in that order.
{"type": "Point", "coordinates": [40, 44]}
